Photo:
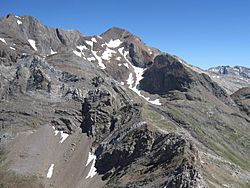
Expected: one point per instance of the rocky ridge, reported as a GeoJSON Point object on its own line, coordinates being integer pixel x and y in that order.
{"type": "Point", "coordinates": [146, 117]}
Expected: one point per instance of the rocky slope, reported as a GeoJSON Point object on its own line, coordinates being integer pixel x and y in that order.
{"type": "Point", "coordinates": [110, 111]}
{"type": "Point", "coordinates": [231, 78]}
{"type": "Point", "coordinates": [242, 99]}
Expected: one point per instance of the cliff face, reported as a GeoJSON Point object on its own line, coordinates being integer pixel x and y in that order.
{"type": "Point", "coordinates": [110, 111]}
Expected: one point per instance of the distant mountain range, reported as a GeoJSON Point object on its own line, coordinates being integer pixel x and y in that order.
{"type": "Point", "coordinates": [110, 111]}
{"type": "Point", "coordinates": [236, 70]}
{"type": "Point", "coordinates": [233, 78]}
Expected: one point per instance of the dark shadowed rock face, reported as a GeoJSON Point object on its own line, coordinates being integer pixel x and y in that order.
{"type": "Point", "coordinates": [242, 99]}
{"type": "Point", "coordinates": [166, 74]}
{"type": "Point", "coordinates": [139, 56]}
{"type": "Point", "coordinates": [169, 76]}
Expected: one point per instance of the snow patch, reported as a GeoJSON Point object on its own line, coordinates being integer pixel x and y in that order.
{"type": "Point", "coordinates": [33, 44]}
{"type": "Point", "coordinates": [89, 43]}
{"type": "Point", "coordinates": [94, 40]}
{"type": "Point", "coordinates": [3, 40]}
{"type": "Point", "coordinates": [126, 65]}
{"type": "Point", "coordinates": [114, 43]}
{"type": "Point", "coordinates": [119, 64]}
{"type": "Point", "coordinates": [92, 170]}
{"type": "Point", "coordinates": [19, 22]}
{"type": "Point", "coordinates": [12, 48]}
{"type": "Point", "coordinates": [122, 83]}
{"type": "Point", "coordinates": [118, 58]}
{"type": "Point", "coordinates": [91, 59]}
{"type": "Point", "coordinates": [120, 50]}
{"type": "Point", "coordinates": [63, 136]}
{"type": "Point", "coordinates": [107, 54]}
{"type": "Point", "coordinates": [95, 55]}
{"type": "Point", "coordinates": [81, 47]}
{"type": "Point", "coordinates": [124, 54]}
{"type": "Point", "coordinates": [77, 53]}
{"type": "Point", "coordinates": [56, 132]}
{"type": "Point", "coordinates": [130, 80]}
{"type": "Point", "coordinates": [50, 171]}
{"type": "Point", "coordinates": [52, 52]}
{"type": "Point", "coordinates": [18, 17]}
{"type": "Point", "coordinates": [138, 73]}
{"type": "Point", "coordinates": [99, 60]}
{"type": "Point", "coordinates": [91, 157]}
{"type": "Point", "coordinates": [156, 102]}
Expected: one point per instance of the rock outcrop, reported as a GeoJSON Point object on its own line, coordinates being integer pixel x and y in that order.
{"type": "Point", "coordinates": [122, 139]}
{"type": "Point", "coordinates": [242, 99]}
{"type": "Point", "coordinates": [111, 111]}
{"type": "Point", "coordinates": [168, 74]}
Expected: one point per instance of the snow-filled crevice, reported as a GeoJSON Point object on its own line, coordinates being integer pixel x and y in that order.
{"type": "Point", "coordinates": [92, 171]}
{"type": "Point", "coordinates": [32, 44]}
{"type": "Point", "coordinates": [52, 52]}
{"type": "Point", "coordinates": [3, 40]}
{"type": "Point", "coordinates": [98, 58]}
{"type": "Point", "coordinates": [80, 48]}
{"type": "Point", "coordinates": [134, 83]}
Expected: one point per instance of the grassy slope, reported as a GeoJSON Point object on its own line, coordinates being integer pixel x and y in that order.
{"type": "Point", "coordinates": [215, 128]}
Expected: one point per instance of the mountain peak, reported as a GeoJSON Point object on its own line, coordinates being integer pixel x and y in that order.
{"type": "Point", "coordinates": [116, 33]}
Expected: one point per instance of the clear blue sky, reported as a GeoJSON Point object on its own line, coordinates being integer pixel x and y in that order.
{"type": "Point", "coordinates": [203, 32]}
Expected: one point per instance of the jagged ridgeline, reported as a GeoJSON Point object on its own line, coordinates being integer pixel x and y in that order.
{"type": "Point", "coordinates": [110, 111]}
